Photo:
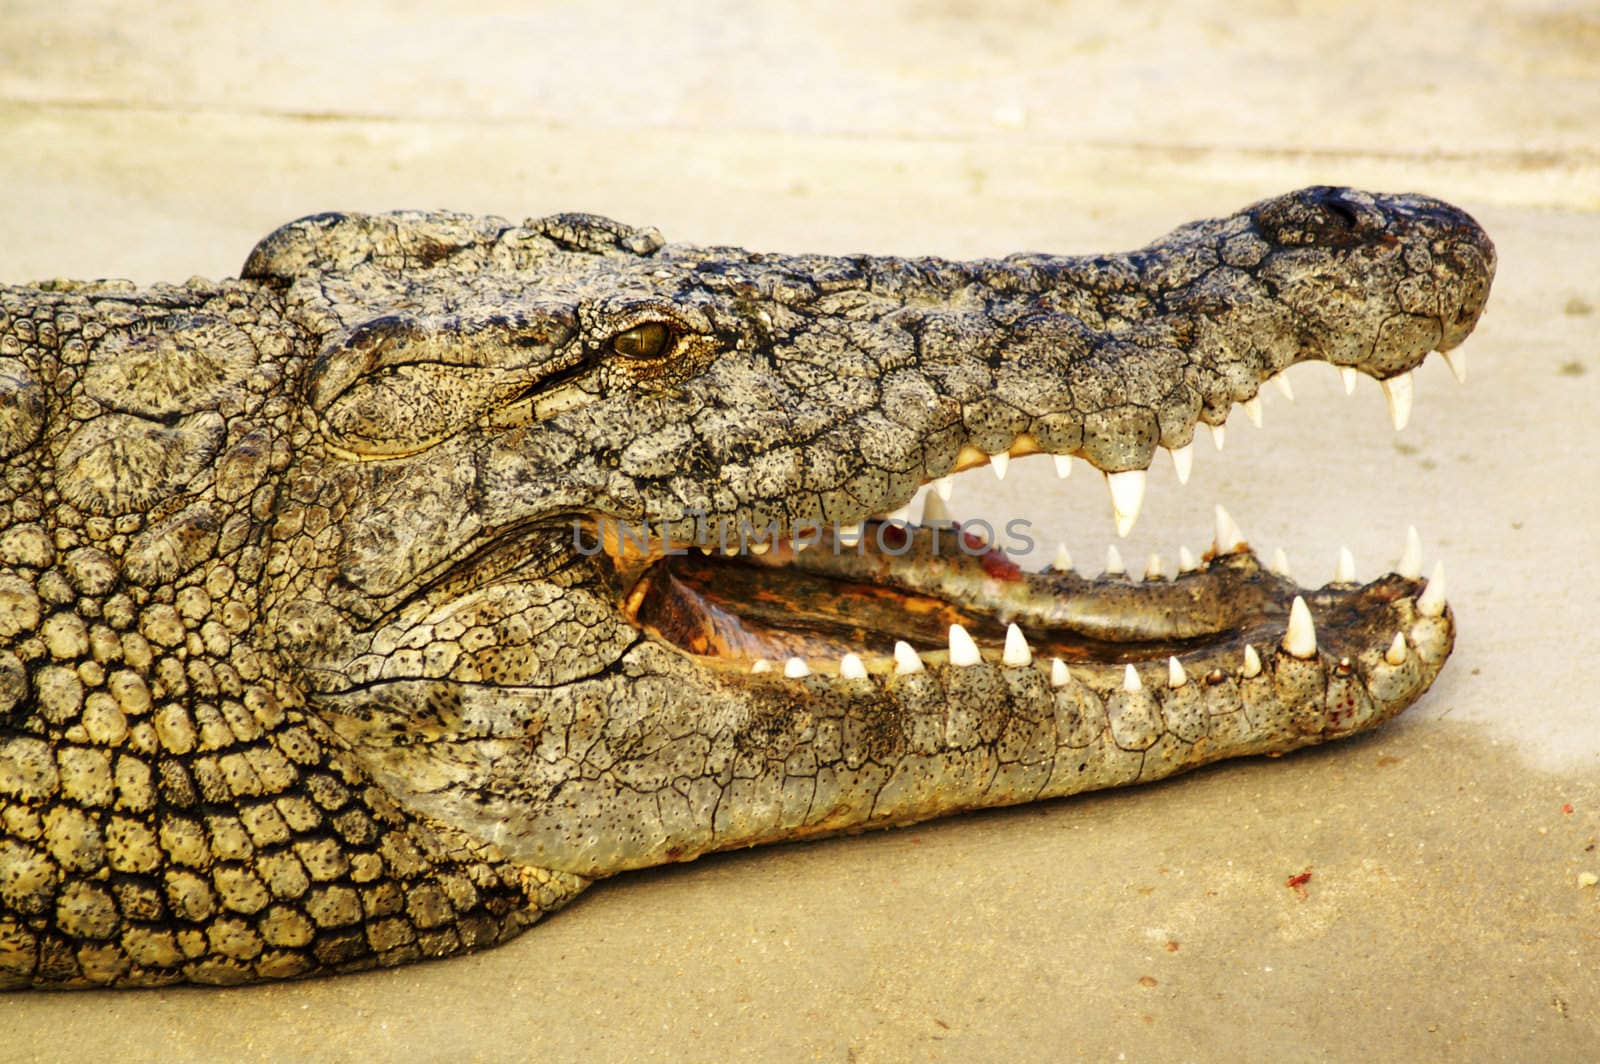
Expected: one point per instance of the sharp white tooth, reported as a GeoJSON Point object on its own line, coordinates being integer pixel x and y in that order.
{"type": "Point", "coordinates": [1130, 680]}
{"type": "Point", "coordinates": [1229, 538]}
{"type": "Point", "coordinates": [849, 535]}
{"type": "Point", "coordinates": [1280, 563]}
{"type": "Point", "coordinates": [851, 668]}
{"type": "Point", "coordinates": [1153, 569]}
{"type": "Point", "coordinates": [963, 651]}
{"type": "Point", "coordinates": [1345, 571]}
{"type": "Point", "coordinates": [1219, 435]}
{"type": "Point", "coordinates": [1282, 381]}
{"type": "Point", "coordinates": [706, 549]}
{"type": "Point", "coordinates": [945, 486]}
{"type": "Point", "coordinates": [1300, 639]}
{"type": "Point", "coordinates": [934, 511]}
{"type": "Point", "coordinates": [1127, 495]}
{"type": "Point", "coordinates": [1410, 565]}
{"type": "Point", "coordinates": [1176, 677]}
{"type": "Point", "coordinates": [906, 661]}
{"type": "Point", "coordinates": [1114, 566]}
{"type": "Point", "coordinates": [1058, 673]}
{"type": "Point", "coordinates": [761, 665]}
{"type": "Point", "coordinates": [1431, 602]}
{"type": "Point", "coordinates": [1063, 465]}
{"type": "Point", "coordinates": [1016, 652]}
{"type": "Point", "coordinates": [1398, 391]}
{"type": "Point", "coordinates": [1252, 410]}
{"type": "Point", "coordinates": [1396, 654]}
{"type": "Point", "coordinates": [1457, 361]}
{"type": "Point", "coordinates": [1347, 375]}
{"type": "Point", "coordinates": [1252, 662]}
{"type": "Point", "coordinates": [1183, 461]}
{"type": "Point", "coordinates": [1000, 463]}
{"type": "Point", "coordinates": [760, 548]}
{"type": "Point", "coordinates": [903, 515]}
{"type": "Point", "coordinates": [1186, 560]}
{"type": "Point", "coordinates": [1063, 562]}
{"type": "Point", "coordinates": [796, 668]}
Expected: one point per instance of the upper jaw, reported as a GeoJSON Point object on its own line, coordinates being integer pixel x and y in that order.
{"type": "Point", "coordinates": [1445, 263]}
{"type": "Point", "coordinates": [905, 373]}
{"type": "Point", "coordinates": [1347, 628]}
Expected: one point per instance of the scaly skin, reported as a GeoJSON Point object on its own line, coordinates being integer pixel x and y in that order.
{"type": "Point", "coordinates": [304, 667]}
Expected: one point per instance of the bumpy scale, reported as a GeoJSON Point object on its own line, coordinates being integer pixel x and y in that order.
{"type": "Point", "coordinates": [329, 636]}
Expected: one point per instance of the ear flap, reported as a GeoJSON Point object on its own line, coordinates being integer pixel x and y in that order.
{"type": "Point", "coordinates": [397, 385]}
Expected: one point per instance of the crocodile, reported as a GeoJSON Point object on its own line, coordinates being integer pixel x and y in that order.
{"type": "Point", "coordinates": [367, 607]}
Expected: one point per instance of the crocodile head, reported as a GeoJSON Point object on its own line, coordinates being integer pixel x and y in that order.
{"type": "Point", "coordinates": [366, 607]}
{"type": "Point", "coordinates": [493, 406]}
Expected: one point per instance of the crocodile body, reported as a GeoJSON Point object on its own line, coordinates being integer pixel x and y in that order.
{"type": "Point", "coordinates": [349, 613]}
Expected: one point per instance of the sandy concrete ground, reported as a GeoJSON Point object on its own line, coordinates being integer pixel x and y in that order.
{"type": "Point", "coordinates": [1443, 919]}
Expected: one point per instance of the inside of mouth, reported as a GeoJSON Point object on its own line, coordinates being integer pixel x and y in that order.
{"type": "Point", "coordinates": [832, 600]}
{"type": "Point", "coordinates": [736, 611]}
{"type": "Point", "coordinates": [739, 612]}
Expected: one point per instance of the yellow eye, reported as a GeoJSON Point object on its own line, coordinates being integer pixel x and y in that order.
{"type": "Point", "coordinates": [642, 341]}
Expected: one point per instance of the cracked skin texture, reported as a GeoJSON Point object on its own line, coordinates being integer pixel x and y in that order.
{"type": "Point", "coordinates": [305, 669]}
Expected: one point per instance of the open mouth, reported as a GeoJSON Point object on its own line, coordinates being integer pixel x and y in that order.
{"type": "Point", "coordinates": [941, 592]}
{"type": "Point", "coordinates": [844, 596]}
{"type": "Point", "coordinates": [893, 596]}
{"type": "Point", "coordinates": [1369, 285]}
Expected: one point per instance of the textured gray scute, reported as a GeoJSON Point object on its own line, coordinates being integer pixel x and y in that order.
{"type": "Point", "coordinates": [307, 664]}
{"type": "Point", "coordinates": [122, 463]}
{"type": "Point", "coordinates": [21, 407]}
{"type": "Point", "coordinates": [172, 366]}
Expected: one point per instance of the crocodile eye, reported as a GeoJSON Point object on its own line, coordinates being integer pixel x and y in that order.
{"type": "Point", "coordinates": [642, 341]}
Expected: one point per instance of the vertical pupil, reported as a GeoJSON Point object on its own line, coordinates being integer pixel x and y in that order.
{"type": "Point", "coordinates": [642, 341]}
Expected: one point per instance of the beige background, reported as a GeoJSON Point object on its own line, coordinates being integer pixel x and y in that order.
{"type": "Point", "coordinates": [1443, 919]}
